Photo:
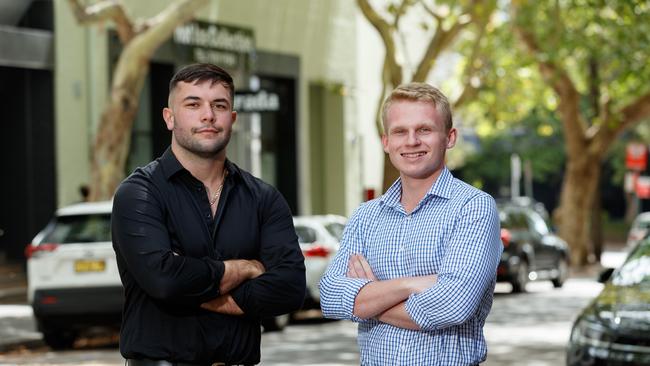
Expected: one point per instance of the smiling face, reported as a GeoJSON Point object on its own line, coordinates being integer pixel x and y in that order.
{"type": "Point", "coordinates": [200, 117]}
{"type": "Point", "coordinates": [416, 139]}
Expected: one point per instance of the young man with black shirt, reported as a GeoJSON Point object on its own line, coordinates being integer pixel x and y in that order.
{"type": "Point", "coordinates": [204, 249]}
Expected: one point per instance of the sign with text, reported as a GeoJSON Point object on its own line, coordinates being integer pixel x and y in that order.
{"type": "Point", "coordinates": [223, 45]}
{"type": "Point", "coordinates": [255, 102]}
{"type": "Point", "coordinates": [636, 156]}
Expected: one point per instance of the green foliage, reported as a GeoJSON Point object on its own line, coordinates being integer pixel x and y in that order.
{"type": "Point", "coordinates": [613, 34]}
{"type": "Point", "coordinates": [537, 138]}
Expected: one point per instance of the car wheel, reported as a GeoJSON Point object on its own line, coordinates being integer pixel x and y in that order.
{"type": "Point", "coordinates": [59, 340]}
{"type": "Point", "coordinates": [562, 273]}
{"type": "Point", "coordinates": [275, 324]}
{"type": "Point", "coordinates": [521, 278]}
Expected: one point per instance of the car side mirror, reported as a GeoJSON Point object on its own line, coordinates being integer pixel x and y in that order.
{"type": "Point", "coordinates": [605, 275]}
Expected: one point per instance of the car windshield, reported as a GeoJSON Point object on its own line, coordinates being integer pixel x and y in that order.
{"type": "Point", "coordinates": [636, 268]}
{"type": "Point", "coordinates": [80, 229]}
{"type": "Point", "coordinates": [336, 230]}
{"type": "Point", "coordinates": [305, 234]}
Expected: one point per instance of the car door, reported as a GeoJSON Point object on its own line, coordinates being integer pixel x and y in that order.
{"type": "Point", "coordinates": [539, 231]}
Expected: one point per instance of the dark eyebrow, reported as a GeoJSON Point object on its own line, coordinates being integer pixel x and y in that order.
{"type": "Point", "coordinates": [195, 98]}
{"type": "Point", "coordinates": [191, 97]}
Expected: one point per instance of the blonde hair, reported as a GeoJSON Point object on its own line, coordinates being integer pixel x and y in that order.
{"type": "Point", "coordinates": [419, 92]}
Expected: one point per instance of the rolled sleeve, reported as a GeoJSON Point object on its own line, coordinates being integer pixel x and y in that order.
{"type": "Point", "coordinates": [468, 271]}
{"type": "Point", "coordinates": [337, 291]}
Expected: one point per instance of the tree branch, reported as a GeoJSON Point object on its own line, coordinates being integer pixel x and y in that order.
{"type": "Point", "coordinates": [470, 72]}
{"type": "Point", "coordinates": [558, 79]}
{"type": "Point", "coordinates": [441, 39]}
{"type": "Point", "coordinates": [636, 111]}
{"type": "Point", "coordinates": [105, 10]}
{"type": "Point", "coordinates": [384, 30]}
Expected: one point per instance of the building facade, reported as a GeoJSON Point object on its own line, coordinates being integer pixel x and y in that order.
{"type": "Point", "coordinates": [296, 65]}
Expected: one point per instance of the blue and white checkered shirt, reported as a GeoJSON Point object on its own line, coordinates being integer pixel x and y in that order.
{"type": "Point", "coordinates": [454, 233]}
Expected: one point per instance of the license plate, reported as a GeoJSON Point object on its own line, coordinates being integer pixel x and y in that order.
{"type": "Point", "coordinates": [89, 266]}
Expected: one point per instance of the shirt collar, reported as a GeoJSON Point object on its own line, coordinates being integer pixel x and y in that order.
{"type": "Point", "coordinates": [442, 187]}
{"type": "Point", "coordinates": [171, 166]}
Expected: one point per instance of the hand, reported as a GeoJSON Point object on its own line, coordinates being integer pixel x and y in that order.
{"type": "Point", "coordinates": [236, 271]}
{"type": "Point", "coordinates": [358, 267]}
{"type": "Point", "coordinates": [223, 304]}
{"type": "Point", "coordinates": [256, 268]}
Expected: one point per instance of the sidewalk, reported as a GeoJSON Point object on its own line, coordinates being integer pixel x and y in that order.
{"type": "Point", "coordinates": [13, 284]}
{"type": "Point", "coordinates": [17, 325]}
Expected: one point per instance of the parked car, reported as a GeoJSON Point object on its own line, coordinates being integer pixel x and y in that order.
{"type": "Point", "coordinates": [72, 278]}
{"type": "Point", "coordinates": [614, 329]}
{"type": "Point", "coordinates": [319, 237]}
{"type": "Point", "coordinates": [531, 251]}
{"type": "Point", "coordinates": [639, 229]}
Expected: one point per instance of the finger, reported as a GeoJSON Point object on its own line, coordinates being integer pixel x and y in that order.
{"type": "Point", "coordinates": [366, 267]}
{"type": "Point", "coordinates": [358, 267]}
{"type": "Point", "coordinates": [351, 270]}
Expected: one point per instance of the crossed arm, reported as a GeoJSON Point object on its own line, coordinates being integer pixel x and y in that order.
{"type": "Point", "coordinates": [385, 300]}
{"type": "Point", "coordinates": [236, 271]}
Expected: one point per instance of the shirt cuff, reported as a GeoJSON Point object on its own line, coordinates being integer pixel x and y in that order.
{"type": "Point", "coordinates": [350, 292]}
{"type": "Point", "coordinates": [416, 311]}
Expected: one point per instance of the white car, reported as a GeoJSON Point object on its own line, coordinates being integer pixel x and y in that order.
{"type": "Point", "coordinates": [639, 229]}
{"type": "Point", "coordinates": [73, 282]}
{"type": "Point", "coordinates": [319, 237]}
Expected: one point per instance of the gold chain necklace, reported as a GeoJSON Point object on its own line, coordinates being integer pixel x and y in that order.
{"type": "Point", "coordinates": [217, 194]}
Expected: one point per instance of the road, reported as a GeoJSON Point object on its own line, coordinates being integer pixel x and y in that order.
{"type": "Point", "coordinates": [533, 327]}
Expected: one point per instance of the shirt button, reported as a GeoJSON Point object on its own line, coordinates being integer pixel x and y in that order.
{"type": "Point", "coordinates": [207, 216]}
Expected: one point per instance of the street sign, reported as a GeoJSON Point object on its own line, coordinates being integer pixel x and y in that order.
{"type": "Point", "coordinates": [636, 156]}
{"type": "Point", "coordinates": [643, 187]}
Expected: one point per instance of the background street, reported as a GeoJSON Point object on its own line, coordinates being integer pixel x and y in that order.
{"type": "Point", "coordinates": [533, 327]}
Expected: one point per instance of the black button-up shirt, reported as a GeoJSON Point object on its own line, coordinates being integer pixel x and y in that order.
{"type": "Point", "coordinates": [170, 253]}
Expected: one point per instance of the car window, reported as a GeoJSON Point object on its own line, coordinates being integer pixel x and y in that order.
{"type": "Point", "coordinates": [305, 234]}
{"type": "Point", "coordinates": [537, 223]}
{"type": "Point", "coordinates": [336, 230]}
{"type": "Point", "coordinates": [636, 268]}
{"type": "Point", "coordinates": [513, 220]}
{"type": "Point", "coordinates": [642, 225]}
{"type": "Point", "coordinates": [80, 229]}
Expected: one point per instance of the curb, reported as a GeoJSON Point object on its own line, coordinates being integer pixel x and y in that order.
{"type": "Point", "coordinates": [21, 345]}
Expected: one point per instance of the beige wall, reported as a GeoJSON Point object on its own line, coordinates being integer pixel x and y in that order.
{"type": "Point", "coordinates": [320, 33]}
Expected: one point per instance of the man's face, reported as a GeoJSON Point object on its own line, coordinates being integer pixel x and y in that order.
{"type": "Point", "coordinates": [415, 139]}
{"type": "Point", "coordinates": [200, 117]}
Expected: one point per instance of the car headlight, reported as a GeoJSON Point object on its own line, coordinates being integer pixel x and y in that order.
{"type": "Point", "coordinates": [590, 332]}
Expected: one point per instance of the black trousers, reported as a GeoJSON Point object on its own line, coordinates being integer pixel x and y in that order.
{"type": "Point", "coordinates": [145, 362]}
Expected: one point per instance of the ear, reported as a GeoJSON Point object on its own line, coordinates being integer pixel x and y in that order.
{"type": "Point", "coordinates": [234, 116]}
{"type": "Point", "coordinates": [451, 138]}
{"type": "Point", "coordinates": [384, 142]}
{"type": "Point", "coordinates": [168, 116]}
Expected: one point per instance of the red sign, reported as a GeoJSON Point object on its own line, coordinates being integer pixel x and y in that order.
{"type": "Point", "coordinates": [636, 157]}
{"type": "Point", "coordinates": [369, 194]}
{"type": "Point", "coordinates": [643, 187]}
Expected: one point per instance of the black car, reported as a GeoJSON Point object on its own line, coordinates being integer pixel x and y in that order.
{"type": "Point", "coordinates": [531, 251]}
{"type": "Point", "coordinates": [615, 328]}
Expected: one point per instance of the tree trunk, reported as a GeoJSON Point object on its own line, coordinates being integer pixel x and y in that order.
{"type": "Point", "coordinates": [113, 137]}
{"type": "Point", "coordinates": [576, 203]}
{"type": "Point", "coordinates": [597, 226]}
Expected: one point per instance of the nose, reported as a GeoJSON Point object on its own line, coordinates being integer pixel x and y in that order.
{"type": "Point", "coordinates": [412, 138]}
{"type": "Point", "coordinates": [207, 113]}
